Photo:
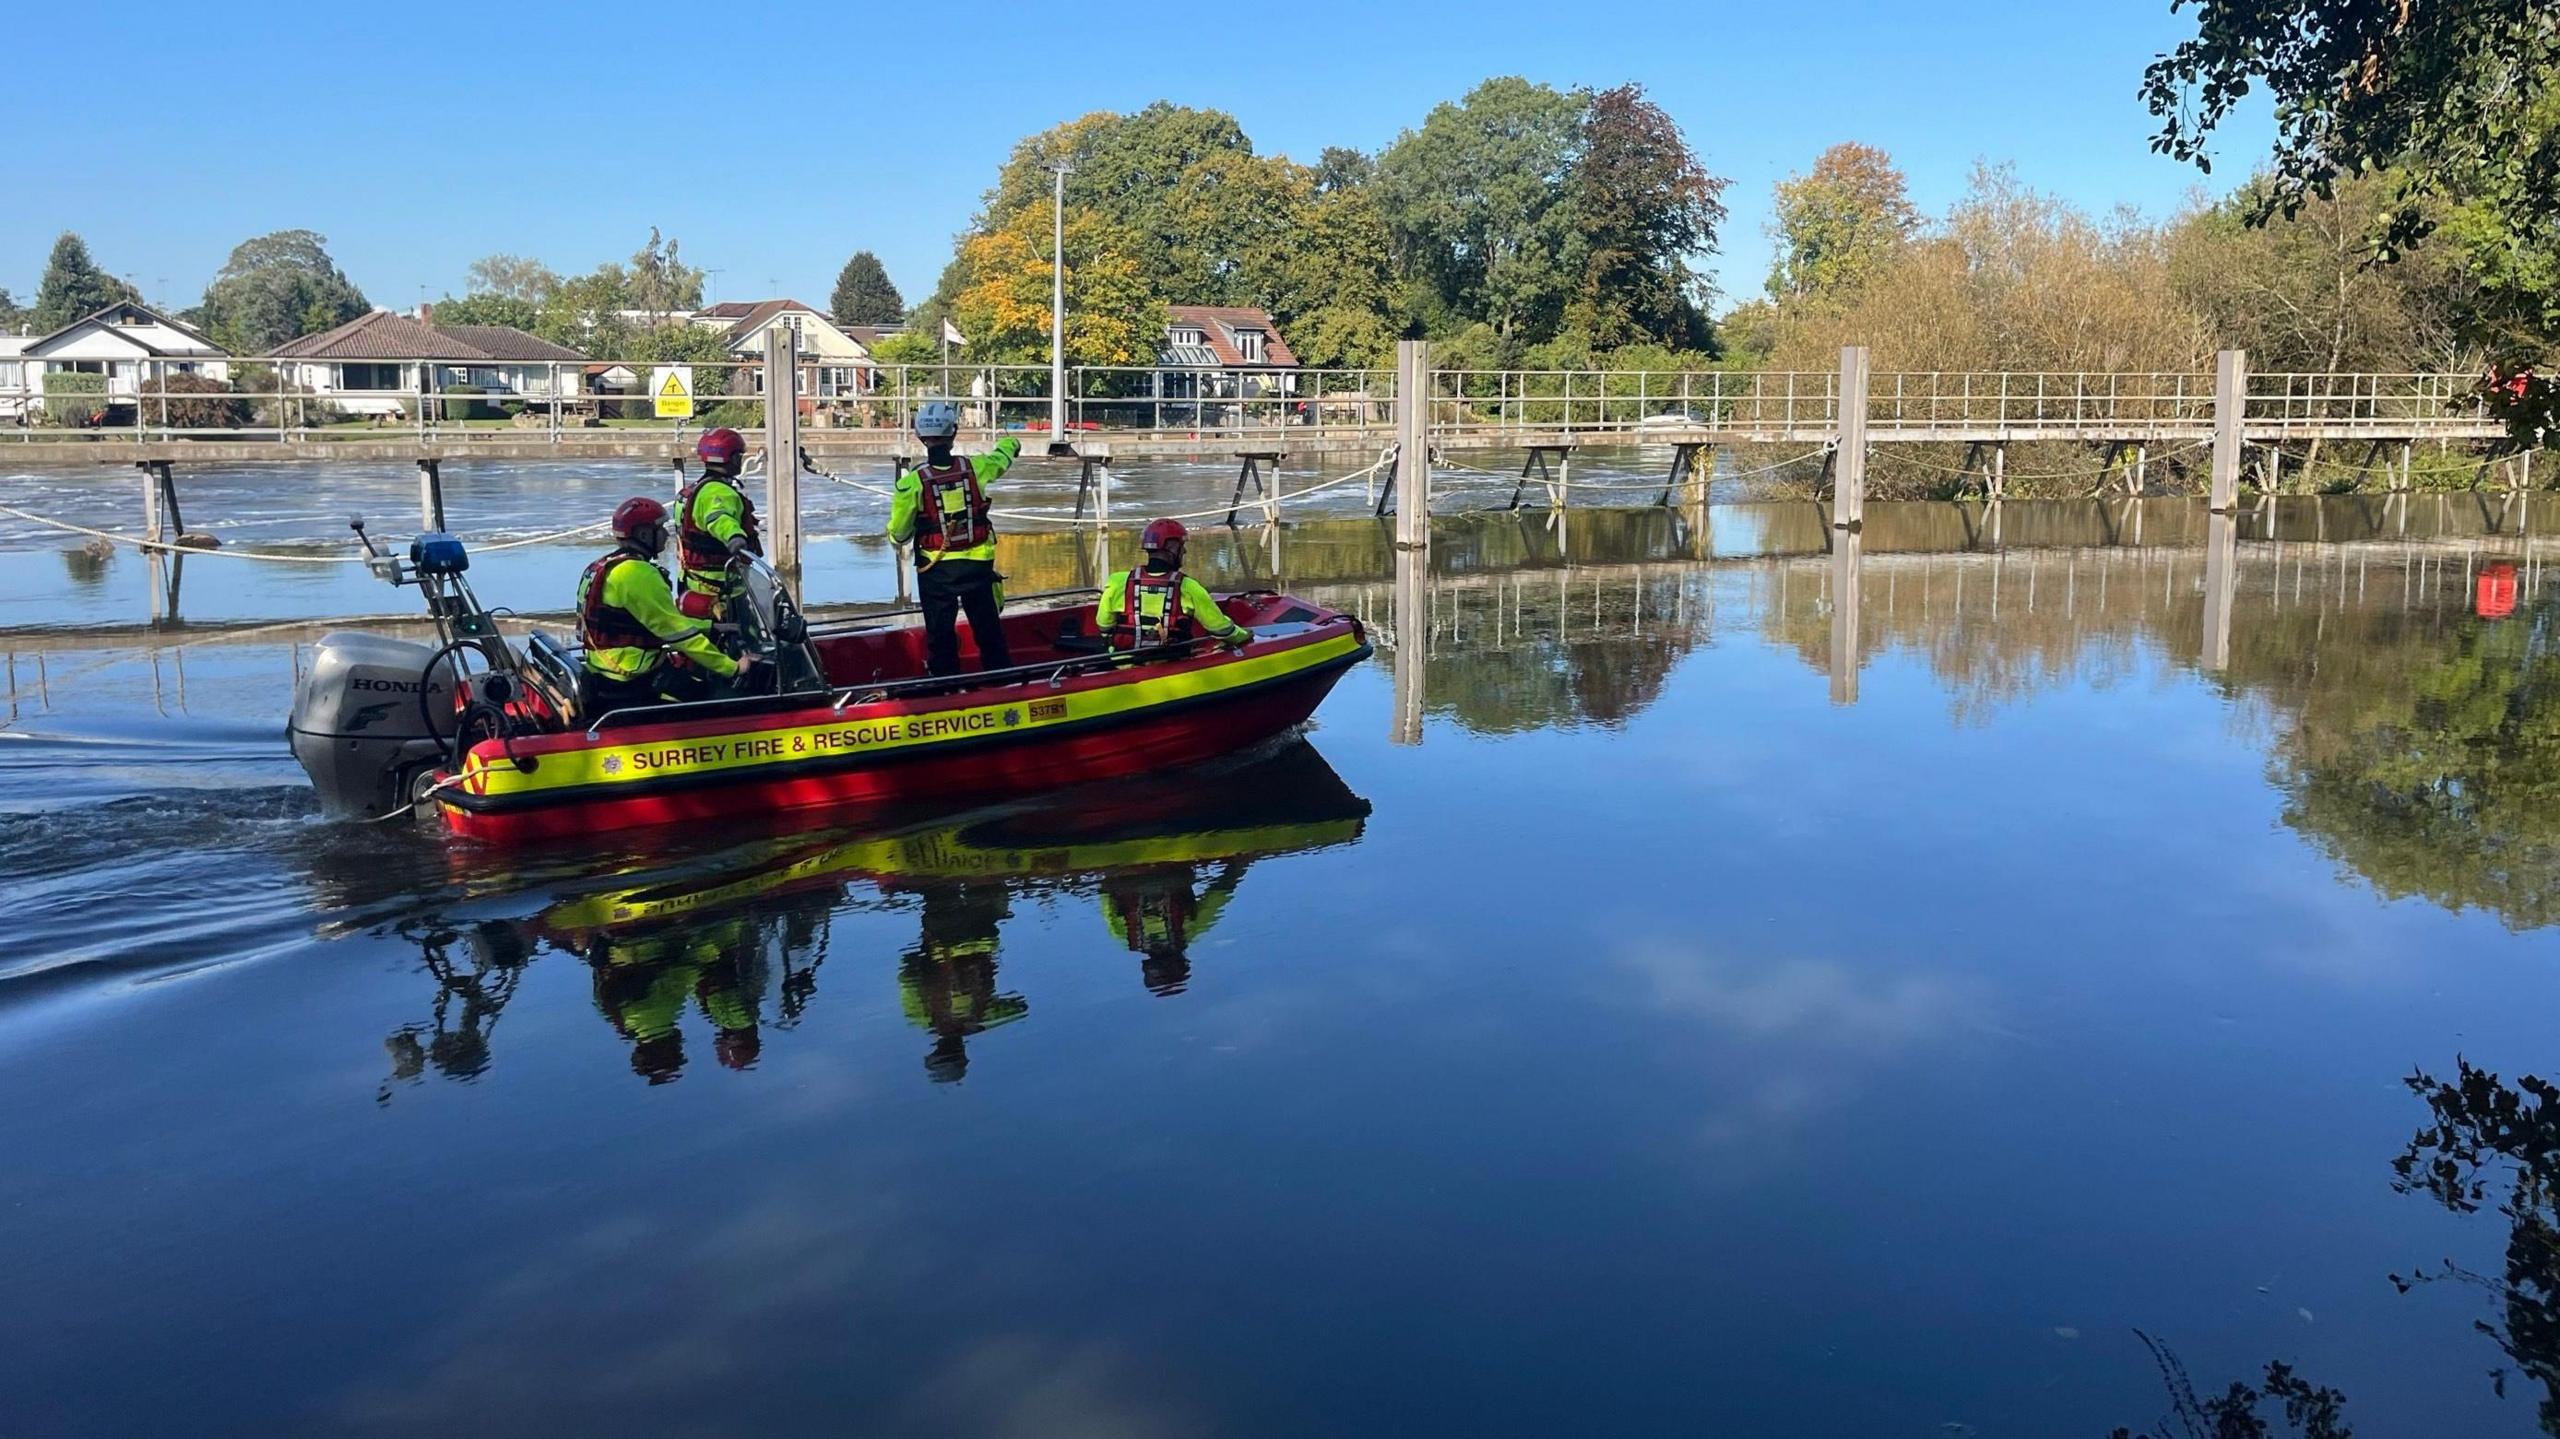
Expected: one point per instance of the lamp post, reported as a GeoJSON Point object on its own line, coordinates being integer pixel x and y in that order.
{"type": "Point", "coordinates": [1058, 308]}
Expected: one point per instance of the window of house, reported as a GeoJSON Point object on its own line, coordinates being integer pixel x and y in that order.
{"type": "Point", "coordinates": [368, 377]}
{"type": "Point", "coordinates": [78, 367]}
{"type": "Point", "coordinates": [1249, 345]}
{"type": "Point", "coordinates": [1185, 335]}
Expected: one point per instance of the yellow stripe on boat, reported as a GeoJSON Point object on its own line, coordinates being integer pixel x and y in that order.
{"type": "Point", "coordinates": [845, 736]}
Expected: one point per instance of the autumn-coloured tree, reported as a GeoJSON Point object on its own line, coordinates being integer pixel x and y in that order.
{"type": "Point", "coordinates": [1002, 297]}
{"type": "Point", "coordinates": [1838, 223]}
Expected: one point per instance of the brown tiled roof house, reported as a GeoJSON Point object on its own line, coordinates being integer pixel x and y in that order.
{"type": "Point", "coordinates": [1227, 338]}
{"type": "Point", "coordinates": [386, 335]}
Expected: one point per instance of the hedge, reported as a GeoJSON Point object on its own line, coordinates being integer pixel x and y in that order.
{"type": "Point", "coordinates": [193, 402]}
{"type": "Point", "coordinates": [72, 396]}
{"type": "Point", "coordinates": [463, 402]}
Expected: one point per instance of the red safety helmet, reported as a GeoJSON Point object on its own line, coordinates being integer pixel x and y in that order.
{"type": "Point", "coordinates": [723, 446]}
{"type": "Point", "coordinates": [641, 521]}
{"type": "Point", "coordinates": [1163, 535]}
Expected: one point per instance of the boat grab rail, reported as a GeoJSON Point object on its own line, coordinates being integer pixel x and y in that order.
{"type": "Point", "coordinates": [851, 624]}
{"type": "Point", "coordinates": [1054, 672]}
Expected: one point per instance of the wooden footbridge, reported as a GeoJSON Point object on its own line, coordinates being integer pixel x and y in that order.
{"type": "Point", "coordinates": [1116, 416]}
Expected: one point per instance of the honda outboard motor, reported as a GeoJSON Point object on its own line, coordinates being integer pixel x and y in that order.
{"type": "Point", "coordinates": [359, 726]}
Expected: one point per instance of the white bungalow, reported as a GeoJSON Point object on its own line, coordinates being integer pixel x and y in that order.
{"type": "Point", "coordinates": [130, 345]}
{"type": "Point", "coordinates": [14, 390]}
{"type": "Point", "coordinates": [380, 364]}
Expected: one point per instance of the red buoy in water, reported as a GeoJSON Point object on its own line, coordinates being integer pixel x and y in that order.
{"type": "Point", "coordinates": [2494, 594]}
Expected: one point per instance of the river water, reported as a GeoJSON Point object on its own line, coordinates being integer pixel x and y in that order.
{"type": "Point", "coordinates": [1700, 978]}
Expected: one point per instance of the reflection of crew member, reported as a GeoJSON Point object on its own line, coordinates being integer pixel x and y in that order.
{"type": "Point", "coordinates": [641, 982]}
{"type": "Point", "coordinates": [947, 983]}
{"type": "Point", "coordinates": [458, 1045]}
{"type": "Point", "coordinates": [1154, 912]}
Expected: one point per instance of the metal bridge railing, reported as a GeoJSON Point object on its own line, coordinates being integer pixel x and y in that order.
{"type": "Point", "coordinates": [302, 400]}
{"type": "Point", "coordinates": [1485, 402]}
{"type": "Point", "coordinates": [2379, 400]}
{"type": "Point", "coordinates": [1477, 401]}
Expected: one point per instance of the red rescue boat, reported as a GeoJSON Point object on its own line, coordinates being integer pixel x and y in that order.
{"type": "Point", "coordinates": [519, 751]}
{"type": "Point", "coordinates": [879, 733]}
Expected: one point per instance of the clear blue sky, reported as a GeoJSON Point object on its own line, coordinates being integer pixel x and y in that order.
{"type": "Point", "coordinates": [774, 141]}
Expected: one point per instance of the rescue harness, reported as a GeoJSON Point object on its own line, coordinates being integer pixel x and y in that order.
{"type": "Point", "coordinates": [952, 510]}
{"type": "Point", "coordinates": [603, 626]}
{"type": "Point", "coordinates": [700, 549]}
{"type": "Point", "coordinates": [1169, 929]}
{"type": "Point", "coordinates": [1151, 609]}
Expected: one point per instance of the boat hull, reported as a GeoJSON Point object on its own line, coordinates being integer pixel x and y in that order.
{"type": "Point", "coordinates": [974, 747]}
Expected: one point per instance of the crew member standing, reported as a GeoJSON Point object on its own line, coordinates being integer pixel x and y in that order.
{"type": "Point", "coordinates": [716, 527]}
{"type": "Point", "coordinates": [1157, 604]}
{"type": "Point", "coordinates": [942, 507]}
{"type": "Point", "coordinates": [639, 647]}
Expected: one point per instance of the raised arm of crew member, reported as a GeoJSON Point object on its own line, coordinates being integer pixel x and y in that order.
{"type": "Point", "coordinates": [992, 465]}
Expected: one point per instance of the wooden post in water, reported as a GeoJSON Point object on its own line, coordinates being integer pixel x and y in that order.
{"type": "Point", "coordinates": [150, 501]}
{"type": "Point", "coordinates": [1849, 472]}
{"type": "Point", "coordinates": [2221, 578]}
{"type": "Point", "coordinates": [1413, 455]}
{"type": "Point", "coordinates": [1846, 653]}
{"type": "Point", "coordinates": [1413, 631]}
{"type": "Point", "coordinates": [2230, 401]}
{"type": "Point", "coordinates": [431, 494]}
{"type": "Point", "coordinates": [782, 445]}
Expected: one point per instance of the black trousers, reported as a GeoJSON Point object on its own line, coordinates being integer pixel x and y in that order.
{"type": "Point", "coordinates": [944, 590]}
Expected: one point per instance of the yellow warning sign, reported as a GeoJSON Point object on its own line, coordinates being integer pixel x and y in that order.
{"type": "Point", "coordinates": [673, 387]}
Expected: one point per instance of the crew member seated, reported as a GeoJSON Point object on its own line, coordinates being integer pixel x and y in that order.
{"type": "Point", "coordinates": [640, 649]}
{"type": "Point", "coordinates": [1157, 604]}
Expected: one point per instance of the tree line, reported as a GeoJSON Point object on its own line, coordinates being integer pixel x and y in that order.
{"type": "Point", "coordinates": [1515, 217]}
{"type": "Point", "coordinates": [1523, 226]}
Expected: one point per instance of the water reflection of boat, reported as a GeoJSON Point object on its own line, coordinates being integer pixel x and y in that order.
{"type": "Point", "coordinates": [707, 946]}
